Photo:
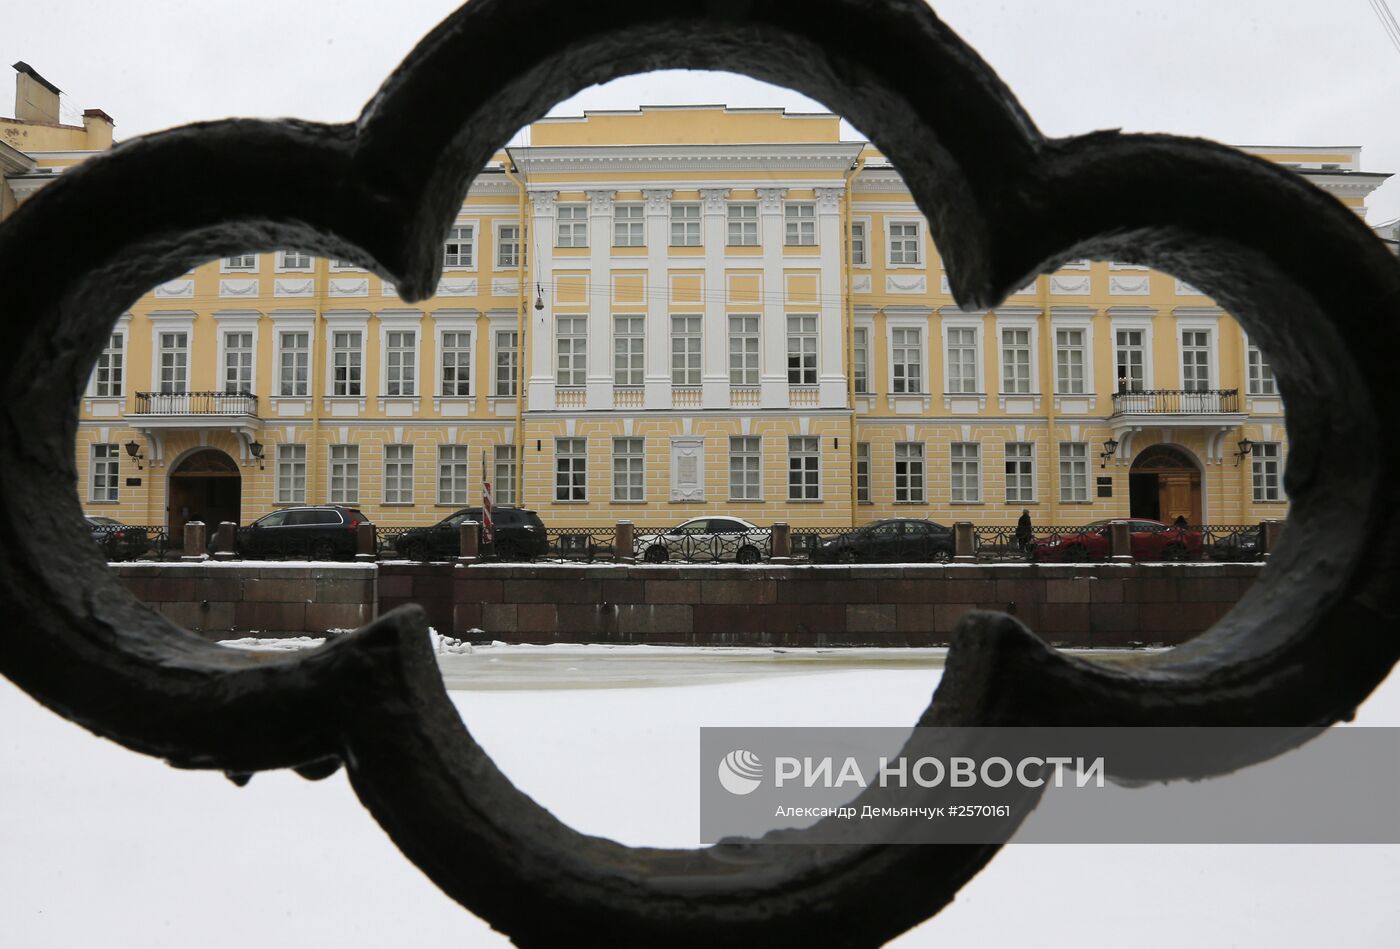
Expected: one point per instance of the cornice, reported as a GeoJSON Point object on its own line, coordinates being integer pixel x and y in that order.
{"type": "Point", "coordinates": [824, 156]}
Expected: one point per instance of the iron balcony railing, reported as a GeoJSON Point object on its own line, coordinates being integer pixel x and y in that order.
{"type": "Point", "coordinates": [196, 403]}
{"type": "Point", "coordinates": [1176, 402]}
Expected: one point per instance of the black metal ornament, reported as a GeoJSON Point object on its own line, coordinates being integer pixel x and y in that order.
{"type": "Point", "coordinates": [1303, 274]}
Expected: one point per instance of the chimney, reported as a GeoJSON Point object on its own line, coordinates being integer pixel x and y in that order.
{"type": "Point", "coordinates": [36, 99]}
{"type": "Point", "coordinates": [98, 126]}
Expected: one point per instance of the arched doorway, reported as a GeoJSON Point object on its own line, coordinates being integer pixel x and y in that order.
{"type": "Point", "coordinates": [1164, 483]}
{"type": "Point", "coordinates": [207, 486]}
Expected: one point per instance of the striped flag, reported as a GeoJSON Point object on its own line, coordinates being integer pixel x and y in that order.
{"type": "Point", "coordinates": [486, 500]}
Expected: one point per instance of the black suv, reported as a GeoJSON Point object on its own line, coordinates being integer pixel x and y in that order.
{"type": "Point", "coordinates": [519, 535]}
{"type": "Point", "coordinates": [325, 532]}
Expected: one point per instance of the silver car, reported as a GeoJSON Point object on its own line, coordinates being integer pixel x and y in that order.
{"type": "Point", "coordinates": [705, 540]}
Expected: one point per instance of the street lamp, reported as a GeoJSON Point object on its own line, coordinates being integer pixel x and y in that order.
{"type": "Point", "coordinates": [1109, 447]}
{"type": "Point", "coordinates": [1246, 448]}
{"type": "Point", "coordinates": [134, 450]}
{"type": "Point", "coordinates": [255, 448]}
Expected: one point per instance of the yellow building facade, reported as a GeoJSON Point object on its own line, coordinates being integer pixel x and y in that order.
{"type": "Point", "coordinates": [657, 314]}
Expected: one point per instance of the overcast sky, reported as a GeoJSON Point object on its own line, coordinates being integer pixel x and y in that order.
{"type": "Point", "coordinates": [1245, 72]}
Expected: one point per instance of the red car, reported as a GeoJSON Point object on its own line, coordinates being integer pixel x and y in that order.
{"type": "Point", "coordinates": [1151, 540]}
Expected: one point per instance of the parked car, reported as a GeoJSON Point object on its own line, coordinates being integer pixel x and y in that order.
{"type": "Point", "coordinates": [706, 539]}
{"type": "Point", "coordinates": [1149, 540]}
{"type": "Point", "coordinates": [321, 532]}
{"type": "Point", "coordinates": [894, 540]}
{"type": "Point", "coordinates": [118, 541]}
{"type": "Point", "coordinates": [519, 535]}
{"type": "Point", "coordinates": [1236, 545]}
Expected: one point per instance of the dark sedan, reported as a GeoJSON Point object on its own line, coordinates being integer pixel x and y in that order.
{"type": "Point", "coordinates": [896, 540]}
{"type": "Point", "coordinates": [118, 541]}
{"type": "Point", "coordinates": [520, 535]}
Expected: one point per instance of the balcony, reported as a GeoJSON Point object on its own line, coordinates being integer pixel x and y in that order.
{"type": "Point", "coordinates": [231, 411]}
{"type": "Point", "coordinates": [1177, 402]}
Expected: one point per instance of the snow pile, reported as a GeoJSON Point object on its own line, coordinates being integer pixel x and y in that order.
{"type": "Point", "coordinates": [449, 646]}
{"type": "Point", "coordinates": [280, 644]}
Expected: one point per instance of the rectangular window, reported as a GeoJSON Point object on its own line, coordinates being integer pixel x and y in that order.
{"type": "Point", "coordinates": [457, 250]}
{"type": "Point", "coordinates": [293, 364]}
{"type": "Point", "coordinates": [1074, 471]}
{"type": "Point", "coordinates": [504, 488]}
{"type": "Point", "coordinates": [1069, 362]}
{"type": "Point", "coordinates": [685, 350]}
{"type": "Point", "coordinates": [802, 350]}
{"type": "Point", "coordinates": [966, 461]}
{"type": "Point", "coordinates": [108, 375]}
{"type": "Point", "coordinates": [345, 474]}
{"type": "Point", "coordinates": [1195, 360]}
{"type": "Point", "coordinates": [571, 226]}
{"type": "Point", "coordinates": [904, 244]}
{"type": "Point", "coordinates": [241, 262]}
{"type": "Point", "coordinates": [909, 472]}
{"type": "Point", "coordinates": [629, 480]}
{"type": "Point", "coordinates": [507, 363]}
{"type": "Point", "coordinates": [629, 345]}
{"type": "Point", "coordinates": [174, 362]}
{"type": "Point", "coordinates": [1020, 471]}
{"type": "Point", "coordinates": [570, 469]}
{"type": "Point", "coordinates": [862, 359]}
{"type": "Point", "coordinates": [1130, 355]}
{"type": "Point", "coordinates": [743, 350]}
{"type": "Point", "coordinates": [293, 260]}
{"type": "Point", "coordinates": [907, 360]}
{"type": "Point", "coordinates": [685, 225]}
{"type": "Point", "coordinates": [401, 362]}
{"type": "Point", "coordinates": [863, 472]}
{"type": "Point", "coordinates": [347, 357]}
{"type": "Point", "coordinates": [804, 468]}
{"type": "Point", "coordinates": [800, 224]}
{"type": "Point", "coordinates": [106, 471]}
{"type": "Point", "coordinates": [1267, 471]}
{"type": "Point", "coordinates": [507, 246]}
{"type": "Point", "coordinates": [456, 359]}
{"type": "Point", "coordinates": [962, 359]}
{"type": "Point", "coordinates": [291, 474]}
{"type": "Point", "coordinates": [1261, 374]}
{"type": "Point", "coordinates": [859, 257]}
{"type": "Point", "coordinates": [629, 227]}
{"type": "Point", "coordinates": [745, 468]}
{"type": "Point", "coordinates": [572, 348]}
{"type": "Point", "coordinates": [454, 474]}
{"type": "Point", "coordinates": [238, 363]}
{"type": "Point", "coordinates": [398, 474]}
{"type": "Point", "coordinates": [1015, 361]}
{"type": "Point", "coordinates": [743, 225]}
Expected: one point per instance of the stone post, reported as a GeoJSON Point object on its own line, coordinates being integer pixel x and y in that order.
{"type": "Point", "coordinates": [964, 544]}
{"type": "Point", "coordinates": [225, 540]}
{"type": "Point", "coordinates": [469, 539]}
{"type": "Point", "coordinates": [196, 541]}
{"type": "Point", "coordinates": [782, 544]}
{"type": "Point", "coordinates": [364, 543]}
{"type": "Point", "coordinates": [1120, 542]}
{"type": "Point", "coordinates": [1269, 533]}
{"type": "Point", "coordinates": [622, 543]}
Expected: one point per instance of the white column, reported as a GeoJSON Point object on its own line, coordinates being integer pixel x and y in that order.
{"type": "Point", "coordinates": [715, 333]}
{"type": "Point", "coordinates": [831, 340]}
{"type": "Point", "coordinates": [658, 328]}
{"type": "Point", "coordinates": [600, 362]}
{"type": "Point", "coordinates": [773, 392]}
{"type": "Point", "coordinates": [540, 325]}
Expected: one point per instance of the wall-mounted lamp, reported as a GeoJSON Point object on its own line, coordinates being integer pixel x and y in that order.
{"type": "Point", "coordinates": [134, 450]}
{"type": "Point", "coordinates": [255, 448]}
{"type": "Point", "coordinates": [1109, 448]}
{"type": "Point", "coordinates": [1246, 448]}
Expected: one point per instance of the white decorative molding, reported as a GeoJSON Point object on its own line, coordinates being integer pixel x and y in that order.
{"type": "Point", "coordinates": [388, 290]}
{"type": "Point", "coordinates": [456, 287]}
{"type": "Point", "coordinates": [1120, 286]}
{"type": "Point", "coordinates": [829, 199]}
{"type": "Point", "coordinates": [944, 287]}
{"type": "Point", "coordinates": [1184, 289]}
{"type": "Point", "coordinates": [770, 200]}
{"type": "Point", "coordinates": [1027, 289]}
{"type": "Point", "coordinates": [176, 289]}
{"type": "Point", "coordinates": [249, 287]}
{"type": "Point", "coordinates": [1071, 286]}
{"type": "Point", "coordinates": [762, 158]}
{"type": "Point", "coordinates": [544, 202]}
{"type": "Point", "coordinates": [303, 287]}
{"type": "Point", "coordinates": [601, 201]}
{"type": "Point", "coordinates": [687, 468]}
{"type": "Point", "coordinates": [348, 287]}
{"type": "Point", "coordinates": [658, 200]}
{"type": "Point", "coordinates": [714, 200]}
{"type": "Point", "coordinates": [504, 287]}
{"type": "Point", "coordinates": [914, 284]}
{"type": "Point", "coordinates": [860, 283]}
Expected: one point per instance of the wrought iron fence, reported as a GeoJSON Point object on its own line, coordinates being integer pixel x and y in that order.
{"type": "Point", "coordinates": [122, 542]}
{"type": "Point", "coordinates": [805, 541]}
{"type": "Point", "coordinates": [389, 545]}
{"type": "Point", "coordinates": [665, 545]}
{"type": "Point", "coordinates": [579, 545]}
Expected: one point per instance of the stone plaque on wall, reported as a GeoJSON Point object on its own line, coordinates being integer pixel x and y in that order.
{"type": "Point", "coordinates": [688, 468]}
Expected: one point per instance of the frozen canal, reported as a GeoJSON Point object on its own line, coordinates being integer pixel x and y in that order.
{"type": "Point", "coordinates": [100, 847]}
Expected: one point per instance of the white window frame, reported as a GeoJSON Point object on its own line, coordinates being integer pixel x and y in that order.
{"type": "Point", "coordinates": [1081, 320]}
{"type": "Point", "coordinates": [294, 261]}
{"type": "Point", "coordinates": [575, 372]}
{"type": "Point", "coordinates": [1260, 380]}
{"type": "Point", "coordinates": [507, 358]}
{"type": "Point", "coordinates": [504, 261]}
{"type": "Point", "coordinates": [399, 354]}
{"type": "Point", "coordinates": [104, 473]}
{"type": "Point", "coordinates": [454, 475]}
{"type": "Point", "coordinates": [629, 349]}
{"type": "Point", "coordinates": [965, 472]}
{"type": "Point", "coordinates": [351, 344]}
{"type": "Point", "coordinates": [687, 349]}
{"type": "Point", "coordinates": [860, 360]}
{"type": "Point", "coordinates": [300, 359]}
{"type": "Point", "coordinates": [745, 468]}
{"type": "Point", "coordinates": [741, 221]}
{"type": "Point", "coordinates": [237, 358]}
{"type": "Point", "coordinates": [455, 342]}
{"type": "Point", "coordinates": [1074, 472]}
{"type": "Point", "coordinates": [1139, 320]}
{"type": "Point", "coordinates": [1019, 472]}
{"type": "Point", "coordinates": [744, 354]}
{"type": "Point", "coordinates": [799, 224]}
{"type": "Point", "coordinates": [629, 225]}
{"type": "Point", "coordinates": [239, 263]}
{"type": "Point", "coordinates": [1071, 361]}
{"type": "Point", "coordinates": [343, 475]}
{"type": "Point", "coordinates": [804, 468]}
{"type": "Point", "coordinates": [1011, 319]}
{"type": "Point", "coordinates": [570, 470]}
{"type": "Point", "coordinates": [909, 473]}
{"type": "Point", "coordinates": [343, 322]}
{"type": "Point", "coordinates": [1266, 472]}
{"type": "Point", "coordinates": [629, 482]}
{"type": "Point", "coordinates": [459, 247]}
{"type": "Point", "coordinates": [291, 473]}
{"type": "Point", "coordinates": [906, 374]}
{"type": "Point", "coordinates": [178, 349]}
{"type": "Point", "coordinates": [687, 223]}
{"type": "Point", "coordinates": [109, 373]}
{"type": "Point", "coordinates": [863, 473]}
{"type": "Point", "coordinates": [1196, 351]}
{"type": "Point", "coordinates": [802, 349]}
{"type": "Point", "coordinates": [398, 474]}
{"type": "Point", "coordinates": [504, 475]}
{"type": "Point", "coordinates": [571, 225]}
{"type": "Point", "coordinates": [897, 246]}
{"type": "Point", "coordinates": [975, 326]}
{"type": "Point", "coordinates": [861, 241]}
